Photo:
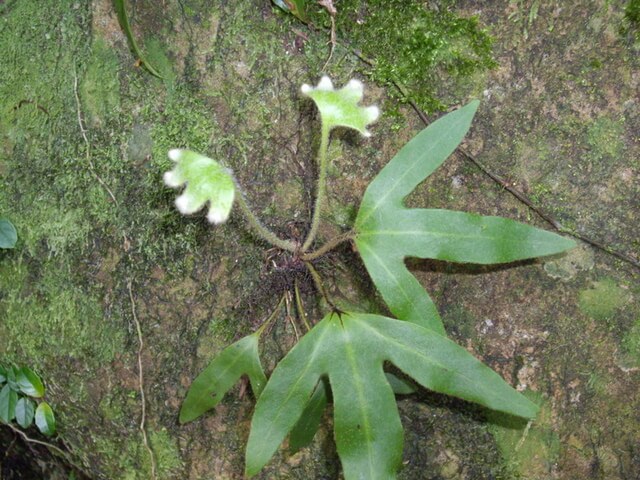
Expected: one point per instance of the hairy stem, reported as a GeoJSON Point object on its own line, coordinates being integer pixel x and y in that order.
{"type": "Point", "coordinates": [330, 245]}
{"type": "Point", "coordinates": [258, 228]}
{"type": "Point", "coordinates": [321, 189]}
{"type": "Point", "coordinates": [271, 317]}
{"type": "Point", "coordinates": [300, 307]}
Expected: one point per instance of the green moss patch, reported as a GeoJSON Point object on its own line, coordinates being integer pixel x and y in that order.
{"type": "Point", "coordinates": [420, 46]}
{"type": "Point", "coordinates": [41, 321]}
{"type": "Point", "coordinates": [166, 452]}
{"type": "Point", "coordinates": [100, 90]}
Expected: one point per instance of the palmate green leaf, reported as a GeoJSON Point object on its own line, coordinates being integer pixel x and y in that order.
{"type": "Point", "coordinates": [206, 391]}
{"type": "Point", "coordinates": [350, 350]}
{"type": "Point", "coordinates": [387, 231]}
{"type": "Point", "coordinates": [8, 234]}
{"type": "Point", "coordinates": [45, 419]}
{"type": "Point", "coordinates": [206, 180]}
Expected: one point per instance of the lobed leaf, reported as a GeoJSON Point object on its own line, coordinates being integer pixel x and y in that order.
{"type": "Point", "coordinates": [350, 350]}
{"type": "Point", "coordinates": [206, 391]}
{"type": "Point", "coordinates": [206, 180]}
{"type": "Point", "coordinates": [387, 231]}
{"type": "Point", "coordinates": [339, 108]}
{"type": "Point", "coordinates": [8, 234]}
{"type": "Point", "coordinates": [45, 419]}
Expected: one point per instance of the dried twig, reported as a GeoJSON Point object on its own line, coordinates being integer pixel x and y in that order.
{"type": "Point", "coordinates": [546, 216]}
{"type": "Point", "coordinates": [331, 9]}
{"type": "Point", "coordinates": [522, 197]}
{"type": "Point", "coordinates": [83, 130]}
{"type": "Point", "coordinates": [141, 382]}
{"type": "Point", "coordinates": [509, 188]}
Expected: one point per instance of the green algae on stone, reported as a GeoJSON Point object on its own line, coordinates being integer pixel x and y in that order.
{"type": "Point", "coordinates": [100, 88]}
{"type": "Point", "coordinates": [157, 55]}
{"type": "Point", "coordinates": [569, 265]}
{"type": "Point", "coordinates": [604, 136]}
{"type": "Point", "coordinates": [602, 300]}
{"type": "Point", "coordinates": [631, 346]}
{"type": "Point", "coordinates": [127, 457]}
{"type": "Point", "coordinates": [532, 449]}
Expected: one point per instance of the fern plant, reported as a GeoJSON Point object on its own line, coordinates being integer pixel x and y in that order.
{"type": "Point", "coordinates": [342, 357]}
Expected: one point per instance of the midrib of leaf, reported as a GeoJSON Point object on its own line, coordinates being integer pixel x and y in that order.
{"type": "Point", "coordinates": [401, 346]}
{"type": "Point", "coordinates": [311, 359]}
{"type": "Point", "coordinates": [382, 199]}
{"type": "Point", "coordinates": [431, 233]}
{"type": "Point", "coordinates": [357, 379]}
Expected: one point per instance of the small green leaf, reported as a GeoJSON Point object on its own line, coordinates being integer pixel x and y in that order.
{"type": "Point", "coordinates": [8, 234]}
{"type": "Point", "coordinates": [206, 391]}
{"type": "Point", "coordinates": [12, 372]}
{"type": "Point", "coordinates": [3, 374]}
{"type": "Point", "coordinates": [387, 231]}
{"type": "Point", "coordinates": [8, 400]}
{"type": "Point", "coordinates": [25, 411]}
{"type": "Point", "coordinates": [339, 108]}
{"type": "Point", "coordinates": [296, 7]}
{"type": "Point", "coordinates": [350, 350]}
{"type": "Point", "coordinates": [303, 432]}
{"type": "Point", "coordinates": [123, 18]}
{"type": "Point", "coordinates": [207, 181]}
{"type": "Point", "coordinates": [29, 383]}
{"type": "Point", "coordinates": [45, 420]}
